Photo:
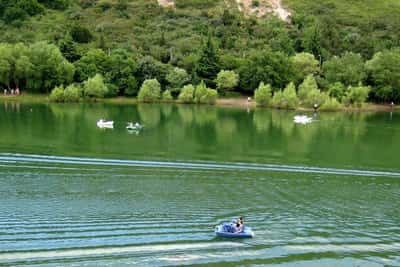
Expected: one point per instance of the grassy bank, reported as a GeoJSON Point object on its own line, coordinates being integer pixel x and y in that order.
{"type": "Point", "coordinates": [237, 102]}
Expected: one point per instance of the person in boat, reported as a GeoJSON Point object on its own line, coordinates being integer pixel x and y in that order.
{"type": "Point", "coordinates": [137, 124]}
{"type": "Point", "coordinates": [239, 224]}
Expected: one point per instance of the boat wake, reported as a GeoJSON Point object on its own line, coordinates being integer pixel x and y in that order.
{"type": "Point", "coordinates": [37, 161]}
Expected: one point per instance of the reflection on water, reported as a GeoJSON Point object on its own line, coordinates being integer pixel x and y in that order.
{"type": "Point", "coordinates": [183, 132]}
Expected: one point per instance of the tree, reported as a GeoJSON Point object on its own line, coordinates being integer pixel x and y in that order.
{"type": "Point", "coordinates": [49, 68]}
{"type": "Point", "coordinates": [356, 95]}
{"type": "Point", "coordinates": [177, 78]}
{"type": "Point", "coordinates": [308, 85]}
{"type": "Point", "coordinates": [81, 34]}
{"type": "Point", "coordinates": [265, 66]}
{"type": "Point", "coordinates": [384, 74]}
{"type": "Point", "coordinates": [200, 93]}
{"type": "Point", "coordinates": [57, 94]}
{"type": "Point", "coordinates": [150, 91]}
{"type": "Point", "coordinates": [68, 48]}
{"type": "Point", "coordinates": [208, 65]}
{"type": "Point", "coordinates": [166, 96]}
{"type": "Point", "coordinates": [290, 99]}
{"type": "Point", "coordinates": [187, 94]}
{"type": "Point", "coordinates": [95, 87]}
{"type": "Point", "coordinates": [120, 70]}
{"type": "Point", "coordinates": [337, 90]}
{"type": "Point", "coordinates": [72, 93]}
{"type": "Point", "coordinates": [263, 95]}
{"type": "Point", "coordinates": [227, 80]}
{"type": "Point", "coordinates": [149, 68]}
{"type": "Point", "coordinates": [348, 69]}
{"type": "Point", "coordinates": [303, 65]}
{"type": "Point", "coordinates": [95, 61]}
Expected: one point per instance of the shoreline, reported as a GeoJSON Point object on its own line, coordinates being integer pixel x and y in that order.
{"type": "Point", "coordinates": [236, 102]}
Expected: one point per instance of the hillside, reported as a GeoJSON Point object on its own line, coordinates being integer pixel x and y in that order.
{"type": "Point", "coordinates": [175, 32]}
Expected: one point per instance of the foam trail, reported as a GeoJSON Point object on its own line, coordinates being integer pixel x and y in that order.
{"type": "Point", "coordinates": [24, 158]}
{"type": "Point", "coordinates": [52, 254]}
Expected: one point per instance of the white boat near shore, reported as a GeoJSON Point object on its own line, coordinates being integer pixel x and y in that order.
{"type": "Point", "coordinates": [105, 124]}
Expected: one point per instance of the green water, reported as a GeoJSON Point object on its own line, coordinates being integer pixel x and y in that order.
{"type": "Point", "coordinates": [321, 194]}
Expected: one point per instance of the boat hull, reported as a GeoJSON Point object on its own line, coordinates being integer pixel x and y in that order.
{"type": "Point", "coordinates": [247, 233]}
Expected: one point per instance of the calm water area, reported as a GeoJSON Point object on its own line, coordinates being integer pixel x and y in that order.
{"type": "Point", "coordinates": [321, 194]}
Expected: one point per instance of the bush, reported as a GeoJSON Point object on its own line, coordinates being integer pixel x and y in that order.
{"type": "Point", "coordinates": [200, 93]}
{"type": "Point", "coordinates": [187, 94]}
{"type": "Point", "coordinates": [331, 104]}
{"type": "Point", "coordinates": [337, 90]}
{"type": "Point", "coordinates": [57, 94]}
{"type": "Point", "coordinates": [211, 97]}
{"type": "Point", "coordinates": [315, 97]}
{"type": "Point", "coordinates": [262, 94]}
{"type": "Point", "coordinates": [150, 91]}
{"type": "Point", "coordinates": [166, 96]}
{"type": "Point", "coordinates": [72, 93]}
{"type": "Point", "coordinates": [356, 95]}
{"type": "Point", "coordinates": [308, 85]}
{"type": "Point", "coordinates": [277, 100]}
{"type": "Point", "coordinates": [95, 87]}
{"type": "Point", "coordinates": [290, 99]}
{"type": "Point", "coordinates": [81, 34]}
{"type": "Point", "coordinates": [227, 80]}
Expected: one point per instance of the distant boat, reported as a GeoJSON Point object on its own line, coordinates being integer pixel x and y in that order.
{"type": "Point", "coordinates": [105, 124]}
{"type": "Point", "coordinates": [134, 127]}
{"type": "Point", "coordinates": [302, 119]}
{"type": "Point", "coordinates": [228, 230]}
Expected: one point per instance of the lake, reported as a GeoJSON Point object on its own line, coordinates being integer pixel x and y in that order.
{"type": "Point", "coordinates": [321, 194]}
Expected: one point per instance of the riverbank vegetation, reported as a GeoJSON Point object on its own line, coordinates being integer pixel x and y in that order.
{"type": "Point", "coordinates": [332, 54]}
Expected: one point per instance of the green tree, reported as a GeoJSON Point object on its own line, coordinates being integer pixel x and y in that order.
{"type": "Point", "coordinates": [337, 90]}
{"type": "Point", "coordinates": [187, 94]}
{"type": "Point", "coordinates": [208, 64]}
{"type": "Point", "coordinates": [200, 93]}
{"type": "Point", "coordinates": [72, 93]}
{"type": "Point", "coordinates": [95, 87]}
{"type": "Point", "coordinates": [227, 80]}
{"type": "Point", "coordinates": [263, 95]}
{"type": "Point", "coordinates": [348, 69]}
{"type": "Point", "coordinates": [49, 68]}
{"type": "Point", "coordinates": [166, 96]}
{"type": "Point", "coordinates": [356, 95]}
{"type": "Point", "coordinates": [303, 65]}
{"type": "Point", "coordinates": [177, 78]}
{"type": "Point", "coordinates": [265, 66]}
{"type": "Point", "coordinates": [290, 99]}
{"type": "Point", "coordinates": [384, 74]}
{"type": "Point", "coordinates": [80, 34]}
{"type": "Point", "coordinates": [69, 49]}
{"type": "Point", "coordinates": [57, 94]}
{"type": "Point", "coordinates": [150, 91]}
{"type": "Point", "coordinates": [307, 86]}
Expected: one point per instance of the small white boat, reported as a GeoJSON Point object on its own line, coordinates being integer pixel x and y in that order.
{"type": "Point", "coordinates": [134, 127]}
{"type": "Point", "coordinates": [105, 124]}
{"type": "Point", "coordinates": [302, 119]}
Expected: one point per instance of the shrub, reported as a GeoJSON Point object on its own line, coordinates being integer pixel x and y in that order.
{"type": "Point", "coordinates": [95, 87]}
{"type": "Point", "coordinates": [262, 94]}
{"type": "Point", "coordinates": [277, 100]}
{"type": "Point", "coordinates": [166, 96]}
{"type": "Point", "coordinates": [290, 99]}
{"type": "Point", "coordinates": [307, 86]}
{"type": "Point", "coordinates": [200, 93]}
{"type": "Point", "coordinates": [81, 34]}
{"type": "Point", "coordinates": [331, 104]}
{"type": "Point", "coordinates": [211, 97]}
{"type": "Point", "coordinates": [356, 95]}
{"type": "Point", "coordinates": [315, 97]}
{"type": "Point", "coordinates": [177, 78]}
{"type": "Point", "coordinates": [150, 91]}
{"type": "Point", "coordinates": [187, 94]}
{"type": "Point", "coordinates": [227, 80]}
{"type": "Point", "coordinates": [337, 90]}
{"type": "Point", "coordinates": [72, 93]}
{"type": "Point", "coordinates": [57, 94]}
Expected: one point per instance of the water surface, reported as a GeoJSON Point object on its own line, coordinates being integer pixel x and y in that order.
{"type": "Point", "coordinates": [323, 194]}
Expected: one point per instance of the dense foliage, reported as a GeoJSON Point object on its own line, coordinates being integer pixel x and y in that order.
{"type": "Point", "coordinates": [329, 50]}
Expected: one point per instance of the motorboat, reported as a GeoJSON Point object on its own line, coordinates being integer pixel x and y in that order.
{"type": "Point", "coordinates": [230, 230]}
{"type": "Point", "coordinates": [134, 127]}
{"type": "Point", "coordinates": [105, 124]}
{"type": "Point", "coordinates": [302, 119]}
